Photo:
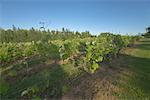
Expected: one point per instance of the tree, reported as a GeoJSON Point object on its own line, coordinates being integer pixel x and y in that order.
{"type": "Point", "coordinates": [86, 34]}
{"type": "Point", "coordinates": [77, 34]}
{"type": "Point", "coordinates": [147, 34]}
{"type": "Point", "coordinates": [14, 28]}
{"type": "Point", "coordinates": [148, 29]}
{"type": "Point", "coordinates": [63, 29]}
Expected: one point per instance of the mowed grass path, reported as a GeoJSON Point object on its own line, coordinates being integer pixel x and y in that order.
{"type": "Point", "coordinates": [135, 81]}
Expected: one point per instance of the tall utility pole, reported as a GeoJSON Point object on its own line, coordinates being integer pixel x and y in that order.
{"type": "Point", "coordinates": [42, 25]}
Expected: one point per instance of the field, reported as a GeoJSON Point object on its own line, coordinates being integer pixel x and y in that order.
{"type": "Point", "coordinates": [73, 65]}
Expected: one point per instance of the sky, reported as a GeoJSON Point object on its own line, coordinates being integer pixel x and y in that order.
{"type": "Point", "coordinates": [96, 16]}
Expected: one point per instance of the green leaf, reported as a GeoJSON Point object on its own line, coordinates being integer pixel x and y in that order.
{"type": "Point", "coordinates": [94, 67]}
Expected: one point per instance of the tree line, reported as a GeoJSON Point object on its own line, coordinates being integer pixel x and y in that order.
{"type": "Point", "coordinates": [147, 34]}
{"type": "Point", "coordinates": [28, 35]}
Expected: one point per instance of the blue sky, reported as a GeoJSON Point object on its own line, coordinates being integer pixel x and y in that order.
{"type": "Point", "coordinates": [124, 16]}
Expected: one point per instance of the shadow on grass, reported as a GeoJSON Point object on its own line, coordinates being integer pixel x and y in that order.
{"type": "Point", "coordinates": [139, 81]}
{"type": "Point", "coordinates": [143, 46]}
{"type": "Point", "coordinates": [145, 40]}
{"type": "Point", "coordinates": [48, 83]}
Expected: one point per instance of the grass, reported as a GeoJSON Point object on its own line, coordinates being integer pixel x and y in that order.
{"type": "Point", "coordinates": [48, 82]}
{"type": "Point", "coordinates": [136, 83]}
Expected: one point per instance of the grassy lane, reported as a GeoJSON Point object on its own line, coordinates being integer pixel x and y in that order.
{"type": "Point", "coordinates": [135, 82]}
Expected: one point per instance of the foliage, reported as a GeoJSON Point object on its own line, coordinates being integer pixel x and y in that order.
{"type": "Point", "coordinates": [78, 50]}
{"type": "Point", "coordinates": [24, 35]}
{"type": "Point", "coordinates": [147, 34]}
{"type": "Point", "coordinates": [89, 51]}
